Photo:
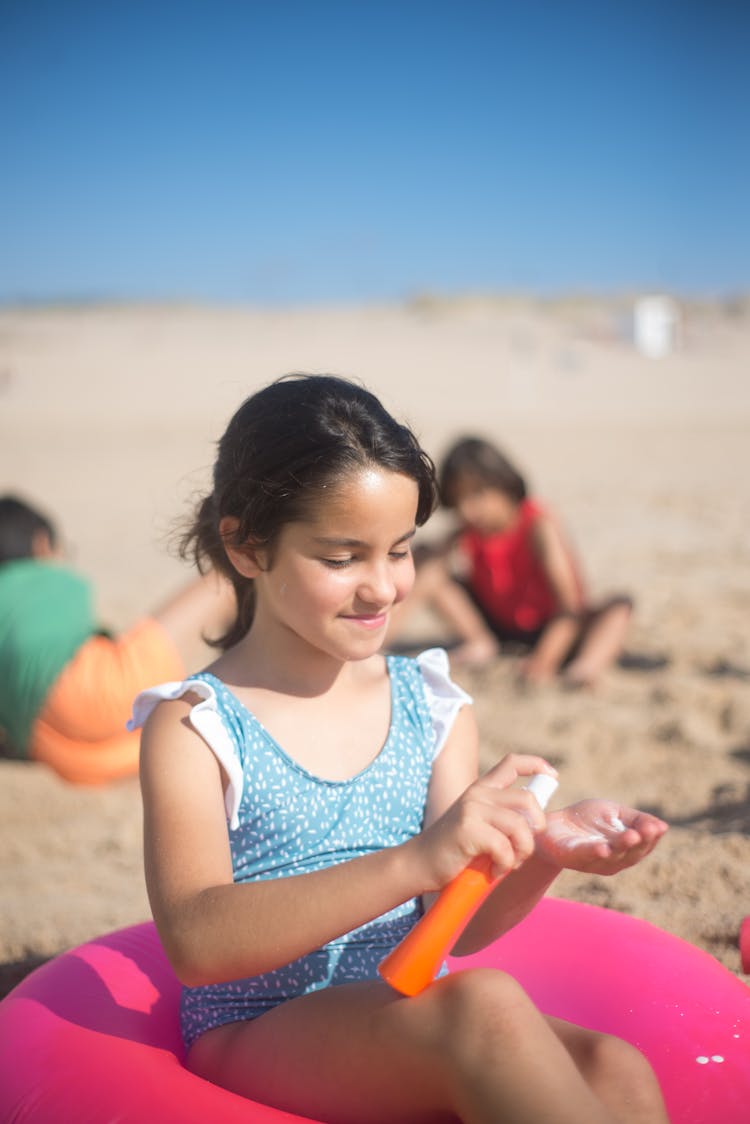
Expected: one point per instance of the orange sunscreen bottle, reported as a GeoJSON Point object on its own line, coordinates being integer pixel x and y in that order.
{"type": "Point", "coordinates": [412, 964]}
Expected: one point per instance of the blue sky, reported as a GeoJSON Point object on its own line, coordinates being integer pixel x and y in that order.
{"type": "Point", "coordinates": [294, 152]}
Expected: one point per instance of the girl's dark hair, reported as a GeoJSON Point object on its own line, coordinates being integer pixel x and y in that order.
{"type": "Point", "coordinates": [19, 523]}
{"type": "Point", "coordinates": [472, 456]}
{"type": "Point", "coordinates": [282, 447]}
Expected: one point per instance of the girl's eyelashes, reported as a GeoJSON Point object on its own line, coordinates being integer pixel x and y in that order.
{"type": "Point", "coordinates": [341, 563]}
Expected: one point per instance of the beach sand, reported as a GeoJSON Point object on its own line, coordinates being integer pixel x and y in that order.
{"type": "Point", "coordinates": [108, 417]}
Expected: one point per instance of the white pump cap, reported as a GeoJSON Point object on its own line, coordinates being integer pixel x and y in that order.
{"type": "Point", "coordinates": [543, 786]}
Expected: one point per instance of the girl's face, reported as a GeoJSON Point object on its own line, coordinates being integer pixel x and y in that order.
{"type": "Point", "coordinates": [333, 579]}
{"type": "Point", "coordinates": [482, 506]}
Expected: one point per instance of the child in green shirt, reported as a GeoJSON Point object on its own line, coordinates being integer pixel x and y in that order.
{"type": "Point", "coordinates": [66, 686]}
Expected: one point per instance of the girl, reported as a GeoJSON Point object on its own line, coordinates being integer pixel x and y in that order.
{"type": "Point", "coordinates": [521, 585]}
{"type": "Point", "coordinates": [349, 783]}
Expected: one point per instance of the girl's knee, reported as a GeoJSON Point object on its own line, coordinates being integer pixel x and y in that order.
{"type": "Point", "coordinates": [484, 1003]}
{"type": "Point", "coordinates": [618, 605]}
{"type": "Point", "coordinates": [617, 1073]}
{"type": "Point", "coordinates": [608, 1058]}
{"type": "Point", "coordinates": [467, 1023]}
{"type": "Point", "coordinates": [432, 575]}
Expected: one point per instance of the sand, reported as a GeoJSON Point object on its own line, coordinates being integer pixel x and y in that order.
{"type": "Point", "coordinates": [108, 417]}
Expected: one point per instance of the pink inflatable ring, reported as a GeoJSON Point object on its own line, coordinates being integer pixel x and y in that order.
{"type": "Point", "coordinates": [92, 1036]}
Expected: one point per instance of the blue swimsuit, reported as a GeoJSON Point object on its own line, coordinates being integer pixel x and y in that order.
{"type": "Point", "coordinates": [285, 821]}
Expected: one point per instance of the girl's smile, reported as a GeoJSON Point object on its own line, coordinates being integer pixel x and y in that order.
{"type": "Point", "coordinates": [369, 620]}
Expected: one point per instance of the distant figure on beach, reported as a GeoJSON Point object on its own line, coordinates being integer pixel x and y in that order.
{"type": "Point", "coordinates": [66, 686]}
{"type": "Point", "coordinates": [508, 579]}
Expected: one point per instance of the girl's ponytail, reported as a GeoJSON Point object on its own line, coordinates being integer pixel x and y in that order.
{"type": "Point", "coordinates": [203, 545]}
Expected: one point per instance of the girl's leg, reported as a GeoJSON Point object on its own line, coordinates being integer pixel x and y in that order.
{"type": "Point", "coordinates": [435, 588]}
{"type": "Point", "coordinates": [471, 1048]}
{"type": "Point", "coordinates": [80, 731]}
{"type": "Point", "coordinates": [602, 642]}
{"type": "Point", "coordinates": [451, 601]}
{"type": "Point", "coordinates": [85, 762]}
{"type": "Point", "coordinates": [548, 653]}
{"type": "Point", "coordinates": [205, 608]}
{"type": "Point", "coordinates": [616, 1072]}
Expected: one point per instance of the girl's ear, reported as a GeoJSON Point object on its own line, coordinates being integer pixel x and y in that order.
{"type": "Point", "coordinates": [246, 559]}
{"type": "Point", "coordinates": [41, 546]}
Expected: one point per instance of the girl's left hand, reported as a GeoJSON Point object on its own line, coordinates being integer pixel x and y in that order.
{"type": "Point", "coordinates": [598, 837]}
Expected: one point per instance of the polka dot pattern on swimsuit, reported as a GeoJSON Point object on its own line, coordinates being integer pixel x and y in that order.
{"type": "Point", "coordinates": [291, 822]}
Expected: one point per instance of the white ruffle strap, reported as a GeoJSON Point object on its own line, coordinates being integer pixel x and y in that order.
{"type": "Point", "coordinates": [206, 720]}
{"type": "Point", "coordinates": [444, 697]}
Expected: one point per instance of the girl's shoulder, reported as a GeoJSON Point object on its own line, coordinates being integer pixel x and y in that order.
{"type": "Point", "coordinates": [433, 667]}
{"type": "Point", "coordinates": [428, 676]}
{"type": "Point", "coordinates": [202, 695]}
{"type": "Point", "coordinates": [195, 690]}
{"type": "Point", "coordinates": [538, 524]}
{"type": "Point", "coordinates": [541, 522]}
{"type": "Point", "coordinates": [533, 508]}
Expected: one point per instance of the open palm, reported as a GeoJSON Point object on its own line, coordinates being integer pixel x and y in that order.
{"type": "Point", "coordinates": [598, 836]}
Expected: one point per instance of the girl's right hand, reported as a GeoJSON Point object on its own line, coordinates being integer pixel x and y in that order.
{"type": "Point", "coordinates": [490, 818]}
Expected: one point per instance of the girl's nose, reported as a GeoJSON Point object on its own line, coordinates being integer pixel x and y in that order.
{"type": "Point", "coordinates": [467, 510]}
{"type": "Point", "coordinates": [378, 586]}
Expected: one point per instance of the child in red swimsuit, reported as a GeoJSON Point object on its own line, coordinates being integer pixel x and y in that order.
{"type": "Point", "coordinates": [521, 585]}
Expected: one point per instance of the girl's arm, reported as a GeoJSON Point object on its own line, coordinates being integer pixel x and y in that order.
{"type": "Point", "coordinates": [215, 930]}
{"type": "Point", "coordinates": [592, 836]}
{"type": "Point", "coordinates": [561, 633]}
{"type": "Point", "coordinates": [528, 849]}
{"type": "Point", "coordinates": [454, 772]}
{"type": "Point", "coordinates": [519, 891]}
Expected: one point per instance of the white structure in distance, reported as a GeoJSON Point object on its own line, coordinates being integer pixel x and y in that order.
{"type": "Point", "coordinates": [656, 326]}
